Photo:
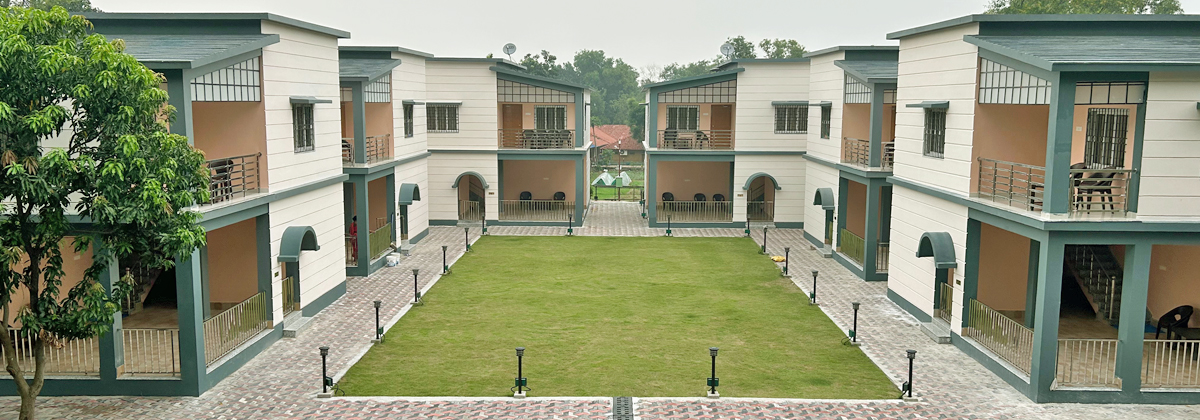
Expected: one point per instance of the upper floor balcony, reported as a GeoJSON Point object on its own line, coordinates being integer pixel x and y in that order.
{"type": "Point", "coordinates": [537, 113]}
{"type": "Point", "coordinates": [368, 120]}
{"type": "Point", "coordinates": [378, 149]}
{"type": "Point", "coordinates": [858, 152]}
{"type": "Point", "coordinates": [694, 113]}
{"type": "Point", "coordinates": [674, 139]}
{"type": "Point", "coordinates": [534, 138]}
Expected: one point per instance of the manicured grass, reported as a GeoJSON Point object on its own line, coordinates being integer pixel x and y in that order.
{"type": "Point", "coordinates": [612, 317]}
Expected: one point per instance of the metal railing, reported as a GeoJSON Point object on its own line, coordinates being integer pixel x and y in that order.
{"type": "Point", "coordinates": [852, 246]}
{"type": "Point", "coordinates": [760, 211]}
{"type": "Point", "coordinates": [378, 148]}
{"type": "Point", "coordinates": [695, 139]}
{"type": "Point", "coordinates": [151, 351]}
{"type": "Point", "coordinates": [470, 211]}
{"type": "Point", "coordinates": [80, 357]}
{"type": "Point", "coordinates": [888, 159]}
{"type": "Point", "coordinates": [1008, 339]}
{"type": "Point", "coordinates": [231, 328]}
{"type": "Point", "coordinates": [1015, 184]}
{"type": "Point", "coordinates": [1087, 362]}
{"type": "Point", "coordinates": [858, 152]}
{"type": "Point", "coordinates": [945, 303]}
{"type": "Point", "coordinates": [536, 210]}
{"type": "Point", "coordinates": [351, 250]}
{"type": "Point", "coordinates": [882, 259]}
{"type": "Point", "coordinates": [536, 139]}
{"type": "Point", "coordinates": [232, 177]}
{"type": "Point", "coordinates": [1171, 364]}
{"type": "Point", "coordinates": [291, 297]}
{"type": "Point", "coordinates": [695, 211]}
{"type": "Point", "coordinates": [828, 233]}
{"type": "Point", "coordinates": [1100, 190]}
{"type": "Point", "coordinates": [380, 240]}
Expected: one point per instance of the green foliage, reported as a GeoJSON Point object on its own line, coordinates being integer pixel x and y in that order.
{"type": "Point", "coordinates": [678, 71]}
{"type": "Point", "coordinates": [781, 48]}
{"type": "Point", "coordinates": [614, 84]}
{"type": "Point", "coordinates": [70, 5]}
{"type": "Point", "coordinates": [741, 48]}
{"type": "Point", "coordinates": [541, 65]}
{"type": "Point", "coordinates": [82, 134]}
{"type": "Point", "coordinates": [1084, 7]}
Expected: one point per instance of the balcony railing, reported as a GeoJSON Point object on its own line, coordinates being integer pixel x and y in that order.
{"type": "Point", "coordinates": [351, 250]}
{"type": "Point", "coordinates": [945, 304]}
{"type": "Point", "coordinates": [1008, 339]}
{"type": "Point", "coordinates": [882, 259]}
{"type": "Point", "coordinates": [536, 210]}
{"type": "Point", "coordinates": [852, 246]}
{"type": "Point", "coordinates": [291, 298]}
{"type": "Point", "coordinates": [380, 240]}
{"type": "Point", "coordinates": [228, 330]}
{"type": "Point", "coordinates": [1171, 364]}
{"type": "Point", "coordinates": [80, 357]}
{"type": "Point", "coordinates": [536, 139]}
{"type": "Point", "coordinates": [858, 152]}
{"type": "Point", "coordinates": [470, 211]}
{"type": "Point", "coordinates": [1015, 184]}
{"type": "Point", "coordinates": [151, 351]}
{"type": "Point", "coordinates": [232, 177]}
{"type": "Point", "coordinates": [760, 211]}
{"type": "Point", "coordinates": [378, 148]}
{"type": "Point", "coordinates": [695, 211]}
{"type": "Point", "coordinates": [1087, 363]}
{"type": "Point", "coordinates": [695, 139]}
{"type": "Point", "coordinates": [1100, 190]}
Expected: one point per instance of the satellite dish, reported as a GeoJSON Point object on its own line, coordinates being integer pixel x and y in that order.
{"type": "Point", "coordinates": [727, 50]}
{"type": "Point", "coordinates": [509, 49]}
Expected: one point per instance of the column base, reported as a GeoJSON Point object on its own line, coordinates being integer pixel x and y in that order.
{"type": "Point", "coordinates": [714, 395]}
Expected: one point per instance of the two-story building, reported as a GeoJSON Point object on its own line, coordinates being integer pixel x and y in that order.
{"type": "Point", "coordinates": [853, 98]}
{"type": "Point", "coordinates": [256, 92]}
{"type": "Point", "coordinates": [1046, 203]}
{"type": "Point", "coordinates": [507, 147]}
{"type": "Point", "coordinates": [725, 149]}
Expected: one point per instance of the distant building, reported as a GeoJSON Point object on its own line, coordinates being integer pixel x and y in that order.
{"type": "Point", "coordinates": [620, 139]}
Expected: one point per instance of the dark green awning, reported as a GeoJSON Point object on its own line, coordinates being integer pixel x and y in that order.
{"type": "Point", "coordinates": [825, 199]}
{"type": "Point", "coordinates": [940, 246]}
{"type": "Point", "coordinates": [760, 174]}
{"type": "Point", "coordinates": [409, 193]}
{"type": "Point", "coordinates": [482, 181]}
{"type": "Point", "coordinates": [296, 239]}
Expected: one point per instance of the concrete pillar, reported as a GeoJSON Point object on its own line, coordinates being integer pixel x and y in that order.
{"type": "Point", "coordinates": [871, 228]}
{"type": "Point", "coordinates": [1045, 331]}
{"type": "Point", "coordinates": [179, 93]}
{"type": "Point", "coordinates": [876, 135]}
{"type": "Point", "coordinates": [1135, 286]}
{"type": "Point", "coordinates": [1031, 282]}
{"type": "Point", "coordinates": [1058, 145]}
{"type": "Point", "coordinates": [192, 364]}
{"type": "Point", "coordinates": [364, 226]}
{"type": "Point", "coordinates": [112, 351]}
{"type": "Point", "coordinates": [360, 121]}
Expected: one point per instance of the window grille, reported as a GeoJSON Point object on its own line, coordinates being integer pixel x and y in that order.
{"type": "Point", "coordinates": [720, 92]}
{"type": "Point", "coordinates": [550, 117]}
{"type": "Point", "coordinates": [302, 127]}
{"type": "Point", "coordinates": [1107, 133]}
{"type": "Point", "coordinates": [379, 90]}
{"type": "Point", "coordinates": [408, 120]}
{"type": "Point", "coordinates": [856, 93]}
{"type": "Point", "coordinates": [441, 118]}
{"type": "Point", "coordinates": [935, 132]}
{"type": "Point", "coordinates": [509, 91]}
{"type": "Point", "coordinates": [1110, 93]}
{"type": "Point", "coordinates": [240, 82]}
{"type": "Point", "coordinates": [826, 118]}
{"type": "Point", "coordinates": [791, 119]}
{"type": "Point", "coordinates": [1000, 84]}
{"type": "Point", "coordinates": [683, 118]}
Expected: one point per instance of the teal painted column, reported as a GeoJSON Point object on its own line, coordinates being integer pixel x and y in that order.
{"type": "Point", "coordinates": [875, 152]}
{"type": "Point", "coordinates": [361, 203]}
{"type": "Point", "coordinates": [843, 188]}
{"type": "Point", "coordinates": [1135, 286]}
{"type": "Point", "coordinates": [581, 178]}
{"type": "Point", "coordinates": [1045, 330]}
{"type": "Point", "coordinates": [392, 202]}
{"type": "Point", "coordinates": [360, 121]}
{"type": "Point", "coordinates": [651, 189]}
{"type": "Point", "coordinates": [179, 93]}
{"type": "Point", "coordinates": [1058, 143]}
{"type": "Point", "coordinates": [871, 228]}
{"type": "Point", "coordinates": [652, 121]}
{"type": "Point", "coordinates": [262, 242]}
{"type": "Point", "coordinates": [112, 352]}
{"type": "Point", "coordinates": [1031, 282]}
{"type": "Point", "coordinates": [1139, 137]}
{"type": "Point", "coordinates": [192, 364]}
{"type": "Point", "coordinates": [885, 208]}
{"type": "Point", "coordinates": [205, 290]}
{"type": "Point", "coordinates": [971, 267]}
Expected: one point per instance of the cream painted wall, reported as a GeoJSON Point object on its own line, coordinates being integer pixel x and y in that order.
{"type": "Point", "coordinates": [912, 278]}
{"type": "Point", "coordinates": [1014, 133]}
{"type": "Point", "coordinates": [685, 179]}
{"type": "Point", "coordinates": [408, 83]}
{"type": "Point", "coordinates": [474, 85]}
{"type": "Point", "coordinates": [826, 82]}
{"type": "Point", "coordinates": [542, 178]}
{"type": "Point", "coordinates": [754, 116]}
{"type": "Point", "coordinates": [321, 270]}
{"type": "Point", "coordinates": [303, 63]}
{"type": "Point", "coordinates": [937, 66]}
{"type": "Point", "coordinates": [232, 263]}
{"type": "Point", "coordinates": [817, 176]}
{"type": "Point", "coordinates": [444, 168]}
{"type": "Point", "coordinates": [1003, 268]}
{"type": "Point", "coordinates": [74, 267]}
{"type": "Point", "coordinates": [416, 172]}
{"type": "Point", "coordinates": [1170, 180]}
{"type": "Point", "coordinates": [228, 129]}
{"type": "Point", "coordinates": [788, 170]}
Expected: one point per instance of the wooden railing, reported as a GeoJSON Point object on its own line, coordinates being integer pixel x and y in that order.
{"type": "Point", "coordinates": [536, 139]}
{"type": "Point", "coordinates": [852, 246]}
{"type": "Point", "coordinates": [1087, 362]}
{"type": "Point", "coordinates": [79, 357]}
{"type": "Point", "coordinates": [380, 240]}
{"type": "Point", "coordinates": [1008, 339]}
{"type": "Point", "coordinates": [945, 303]}
{"type": "Point", "coordinates": [151, 351]}
{"type": "Point", "coordinates": [858, 152]}
{"type": "Point", "coordinates": [760, 211]}
{"type": "Point", "coordinates": [228, 330]}
{"type": "Point", "coordinates": [695, 211]}
{"type": "Point", "coordinates": [695, 139]}
{"type": "Point", "coordinates": [536, 210]}
{"type": "Point", "coordinates": [1171, 364]}
{"type": "Point", "coordinates": [882, 259]}
{"type": "Point", "coordinates": [291, 296]}
{"type": "Point", "coordinates": [232, 177]}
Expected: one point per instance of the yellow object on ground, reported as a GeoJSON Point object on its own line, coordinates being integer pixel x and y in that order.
{"type": "Point", "coordinates": [777, 258]}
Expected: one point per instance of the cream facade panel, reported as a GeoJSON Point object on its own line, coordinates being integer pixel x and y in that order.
{"type": "Point", "coordinates": [474, 85]}
{"type": "Point", "coordinates": [415, 172]}
{"type": "Point", "coordinates": [1170, 171]}
{"type": "Point", "coordinates": [321, 270]}
{"type": "Point", "coordinates": [826, 82]}
{"type": "Point", "coordinates": [913, 214]}
{"type": "Point", "coordinates": [754, 118]}
{"type": "Point", "coordinates": [444, 168]}
{"type": "Point", "coordinates": [788, 171]}
{"type": "Point", "coordinates": [408, 84]}
{"type": "Point", "coordinates": [818, 176]}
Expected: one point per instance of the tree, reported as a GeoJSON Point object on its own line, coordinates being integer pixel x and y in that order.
{"type": "Point", "coordinates": [611, 80]}
{"type": "Point", "coordinates": [676, 71]}
{"type": "Point", "coordinates": [741, 48]}
{"type": "Point", "coordinates": [71, 5]}
{"type": "Point", "coordinates": [781, 48]}
{"type": "Point", "coordinates": [1084, 7]}
{"type": "Point", "coordinates": [82, 133]}
{"type": "Point", "coordinates": [541, 65]}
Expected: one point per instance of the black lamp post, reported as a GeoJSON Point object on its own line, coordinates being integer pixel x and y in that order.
{"type": "Point", "coordinates": [445, 267]}
{"type": "Point", "coordinates": [713, 381]}
{"type": "Point", "coordinates": [570, 224]}
{"type": "Point", "coordinates": [416, 288]}
{"type": "Point", "coordinates": [521, 383]}
{"type": "Point", "coordinates": [812, 296]}
{"type": "Point", "coordinates": [908, 387]}
{"type": "Point", "coordinates": [747, 228]}
{"type": "Point", "coordinates": [467, 238]}
{"type": "Point", "coordinates": [378, 329]}
{"type": "Point", "coordinates": [483, 222]}
{"type": "Point", "coordinates": [668, 225]}
{"type": "Point", "coordinates": [787, 250]}
{"type": "Point", "coordinates": [854, 326]}
{"type": "Point", "coordinates": [326, 381]}
{"type": "Point", "coordinates": [764, 247]}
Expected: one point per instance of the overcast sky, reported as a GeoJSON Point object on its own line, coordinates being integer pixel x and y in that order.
{"type": "Point", "coordinates": [642, 32]}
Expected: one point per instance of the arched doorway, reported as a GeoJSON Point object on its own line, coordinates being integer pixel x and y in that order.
{"type": "Point", "coordinates": [295, 240]}
{"type": "Point", "coordinates": [472, 193]}
{"type": "Point", "coordinates": [407, 195]}
{"type": "Point", "coordinates": [760, 197]}
{"type": "Point", "coordinates": [824, 198]}
{"type": "Point", "coordinates": [940, 246]}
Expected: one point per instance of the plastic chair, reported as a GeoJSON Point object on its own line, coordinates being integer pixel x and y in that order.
{"type": "Point", "coordinates": [699, 197]}
{"type": "Point", "coordinates": [1176, 318]}
{"type": "Point", "coordinates": [718, 197]}
{"type": "Point", "coordinates": [668, 196]}
{"type": "Point", "coordinates": [526, 196]}
{"type": "Point", "coordinates": [560, 196]}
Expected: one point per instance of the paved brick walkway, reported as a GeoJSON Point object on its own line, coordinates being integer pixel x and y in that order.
{"type": "Point", "coordinates": [281, 383]}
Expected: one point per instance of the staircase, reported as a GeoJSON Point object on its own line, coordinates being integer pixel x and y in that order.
{"type": "Point", "coordinates": [143, 281]}
{"type": "Point", "coordinates": [1099, 274]}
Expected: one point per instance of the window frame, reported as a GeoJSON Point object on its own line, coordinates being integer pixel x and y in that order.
{"type": "Point", "coordinates": [800, 120]}
{"type": "Point", "coordinates": [934, 139]}
{"type": "Point", "coordinates": [540, 114]}
{"type": "Point", "coordinates": [826, 120]}
{"type": "Point", "coordinates": [409, 111]}
{"type": "Point", "coordinates": [303, 128]}
{"type": "Point", "coordinates": [450, 117]}
{"type": "Point", "coordinates": [690, 109]}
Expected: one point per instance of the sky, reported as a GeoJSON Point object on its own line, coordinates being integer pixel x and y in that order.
{"type": "Point", "coordinates": [642, 32]}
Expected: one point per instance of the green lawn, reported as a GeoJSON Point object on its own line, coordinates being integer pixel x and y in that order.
{"type": "Point", "coordinates": [616, 316]}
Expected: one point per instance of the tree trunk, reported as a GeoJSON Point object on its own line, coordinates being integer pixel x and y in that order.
{"type": "Point", "coordinates": [27, 407]}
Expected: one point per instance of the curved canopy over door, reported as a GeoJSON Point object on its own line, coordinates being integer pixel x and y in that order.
{"type": "Point", "coordinates": [296, 239]}
{"type": "Point", "coordinates": [940, 246]}
{"type": "Point", "coordinates": [824, 198]}
{"type": "Point", "coordinates": [472, 173]}
{"type": "Point", "coordinates": [758, 175]}
{"type": "Point", "coordinates": [410, 193]}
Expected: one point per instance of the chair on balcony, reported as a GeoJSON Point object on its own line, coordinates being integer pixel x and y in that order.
{"type": "Point", "coordinates": [699, 197]}
{"type": "Point", "coordinates": [526, 196]}
{"type": "Point", "coordinates": [701, 140]}
{"type": "Point", "coordinates": [718, 197]}
{"type": "Point", "coordinates": [669, 137]}
{"type": "Point", "coordinates": [668, 196]}
{"type": "Point", "coordinates": [1093, 185]}
{"type": "Point", "coordinates": [529, 139]}
{"type": "Point", "coordinates": [221, 184]}
{"type": "Point", "coordinates": [1175, 319]}
{"type": "Point", "coordinates": [560, 196]}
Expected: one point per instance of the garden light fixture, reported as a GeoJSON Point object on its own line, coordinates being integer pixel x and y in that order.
{"type": "Point", "coordinates": [467, 238]}
{"type": "Point", "coordinates": [812, 296]}
{"type": "Point", "coordinates": [483, 222]}
{"type": "Point", "coordinates": [416, 289]}
{"type": "Point", "coordinates": [521, 384]}
{"type": "Point", "coordinates": [378, 329]}
{"type": "Point", "coordinates": [713, 381]}
{"type": "Point", "coordinates": [570, 224]}
{"type": "Point", "coordinates": [747, 228]}
{"type": "Point", "coordinates": [326, 381]}
{"type": "Point", "coordinates": [445, 267]}
{"type": "Point", "coordinates": [908, 387]}
{"type": "Point", "coordinates": [764, 247]}
{"type": "Point", "coordinates": [668, 225]}
{"type": "Point", "coordinates": [854, 326]}
{"type": "Point", "coordinates": [787, 250]}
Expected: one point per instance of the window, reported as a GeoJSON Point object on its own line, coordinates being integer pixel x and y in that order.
{"type": "Point", "coordinates": [1107, 132]}
{"type": "Point", "coordinates": [408, 120]}
{"type": "Point", "coordinates": [791, 119]}
{"type": "Point", "coordinates": [240, 82]}
{"type": "Point", "coordinates": [302, 127]}
{"type": "Point", "coordinates": [935, 132]}
{"type": "Point", "coordinates": [441, 118]}
{"type": "Point", "coordinates": [683, 118]}
{"type": "Point", "coordinates": [550, 118]}
{"type": "Point", "coordinates": [826, 117]}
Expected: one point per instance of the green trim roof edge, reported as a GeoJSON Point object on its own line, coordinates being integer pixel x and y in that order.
{"type": "Point", "coordinates": [1039, 18]}
{"type": "Point", "coordinates": [713, 75]}
{"type": "Point", "coordinates": [219, 16]}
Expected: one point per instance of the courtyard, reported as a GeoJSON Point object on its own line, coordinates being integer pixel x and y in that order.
{"type": "Point", "coordinates": [616, 316]}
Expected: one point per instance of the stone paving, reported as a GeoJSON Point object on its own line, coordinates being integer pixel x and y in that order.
{"type": "Point", "coordinates": [281, 383]}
